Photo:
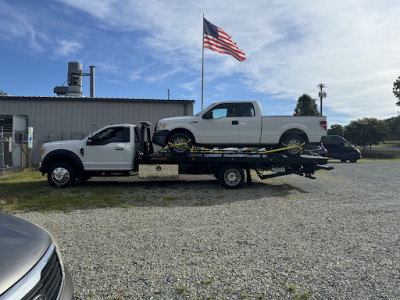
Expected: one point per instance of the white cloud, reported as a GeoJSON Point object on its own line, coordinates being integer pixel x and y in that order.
{"type": "Point", "coordinates": [291, 46]}
{"type": "Point", "coordinates": [15, 24]}
{"type": "Point", "coordinates": [67, 48]}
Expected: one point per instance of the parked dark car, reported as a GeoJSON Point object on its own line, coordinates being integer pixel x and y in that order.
{"type": "Point", "coordinates": [319, 150]}
{"type": "Point", "coordinates": [31, 266]}
{"type": "Point", "coordinates": [339, 148]}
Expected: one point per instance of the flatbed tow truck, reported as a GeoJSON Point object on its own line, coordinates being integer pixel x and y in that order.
{"type": "Point", "coordinates": [227, 165]}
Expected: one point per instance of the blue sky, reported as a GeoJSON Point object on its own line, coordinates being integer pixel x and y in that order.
{"type": "Point", "coordinates": [143, 48]}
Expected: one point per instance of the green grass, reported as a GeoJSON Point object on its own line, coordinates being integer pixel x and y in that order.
{"type": "Point", "coordinates": [376, 154]}
{"type": "Point", "coordinates": [182, 290]}
{"type": "Point", "coordinates": [388, 144]}
{"type": "Point", "coordinates": [29, 190]}
{"type": "Point", "coordinates": [379, 155]}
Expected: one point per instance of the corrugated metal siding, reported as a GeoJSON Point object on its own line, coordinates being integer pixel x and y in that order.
{"type": "Point", "coordinates": [56, 118]}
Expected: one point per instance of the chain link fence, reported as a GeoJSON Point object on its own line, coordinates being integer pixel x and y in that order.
{"type": "Point", "coordinates": [13, 150]}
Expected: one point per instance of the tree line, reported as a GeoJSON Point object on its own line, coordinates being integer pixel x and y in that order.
{"type": "Point", "coordinates": [362, 132]}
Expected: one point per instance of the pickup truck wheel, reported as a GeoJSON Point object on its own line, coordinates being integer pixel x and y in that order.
{"type": "Point", "coordinates": [231, 177]}
{"type": "Point", "coordinates": [343, 160]}
{"type": "Point", "coordinates": [61, 175]}
{"type": "Point", "coordinates": [292, 140]}
{"type": "Point", "coordinates": [180, 144]}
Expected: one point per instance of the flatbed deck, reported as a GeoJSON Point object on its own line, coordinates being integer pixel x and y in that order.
{"type": "Point", "coordinates": [227, 165]}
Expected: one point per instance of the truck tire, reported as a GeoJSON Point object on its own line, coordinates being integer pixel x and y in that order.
{"type": "Point", "coordinates": [292, 140]}
{"type": "Point", "coordinates": [183, 144]}
{"type": "Point", "coordinates": [61, 175]}
{"type": "Point", "coordinates": [353, 158]}
{"type": "Point", "coordinates": [231, 176]}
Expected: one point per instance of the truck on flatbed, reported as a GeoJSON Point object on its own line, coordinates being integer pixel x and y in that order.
{"type": "Point", "coordinates": [239, 123]}
{"type": "Point", "coordinates": [126, 149]}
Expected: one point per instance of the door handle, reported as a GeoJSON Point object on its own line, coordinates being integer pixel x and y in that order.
{"type": "Point", "coordinates": [235, 122]}
{"type": "Point", "coordinates": [119, 148]}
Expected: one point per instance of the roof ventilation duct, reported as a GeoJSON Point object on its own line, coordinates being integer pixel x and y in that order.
{"type": "Point", "coordinates": [74, 80]}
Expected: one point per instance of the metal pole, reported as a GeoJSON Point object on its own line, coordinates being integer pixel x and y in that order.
{"type": "Point", "coordinates": [322, 95]}
{"type": "Point", "coordinates": [91, 81]}
{"type": "Point", "coordinates": [202, 71]}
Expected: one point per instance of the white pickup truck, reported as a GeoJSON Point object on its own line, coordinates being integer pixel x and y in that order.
{"type": "Point", "coordinates": [234, 123]}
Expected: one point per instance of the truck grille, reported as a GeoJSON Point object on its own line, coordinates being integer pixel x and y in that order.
{"type": "Point", "coordinates": [50, 281]}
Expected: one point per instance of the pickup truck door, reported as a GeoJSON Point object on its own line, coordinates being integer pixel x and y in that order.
{"type": "Point", "coordinates": [250, 125]}
{"type": "Point", "coordinates": [220, 125]}
{"type": "Point", "coordinates": [108, 150]}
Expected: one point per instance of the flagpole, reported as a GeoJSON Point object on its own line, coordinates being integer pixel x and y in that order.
{"type": "Point", "coordinates": [202, 71]}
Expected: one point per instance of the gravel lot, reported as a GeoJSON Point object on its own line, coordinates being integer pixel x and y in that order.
{"type": "Point", "coordinates": [336, 237]}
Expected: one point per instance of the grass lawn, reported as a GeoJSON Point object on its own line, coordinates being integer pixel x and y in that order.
{"type": "Point", "coordinates": [379, 155]}
{"type": "Point", "coordinates": [388, 144]}
{"type": "Point", "coordinates": [29, 190]}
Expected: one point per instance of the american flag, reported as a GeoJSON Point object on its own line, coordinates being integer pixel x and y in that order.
{"type": "Point", "coordinates": [217, 40]}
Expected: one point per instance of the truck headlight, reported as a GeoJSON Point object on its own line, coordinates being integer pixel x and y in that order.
{"type": "Point", "coordinates": [160, 126]}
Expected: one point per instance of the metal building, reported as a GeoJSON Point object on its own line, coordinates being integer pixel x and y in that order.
{"type": "Point", "coordinates": [64, 118]}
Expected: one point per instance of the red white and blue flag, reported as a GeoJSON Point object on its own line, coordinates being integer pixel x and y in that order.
{"type": "Point", "coordinates": [217, 40]}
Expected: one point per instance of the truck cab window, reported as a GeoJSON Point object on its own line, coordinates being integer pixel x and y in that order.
{"type": "Point", "coordinates": [111, 135]}
{"type": "Point", "coordinates": [226, 110]}
{"type": "Point", "coordinates": [248, 110]}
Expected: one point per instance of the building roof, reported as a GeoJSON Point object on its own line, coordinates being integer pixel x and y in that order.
{"type": "Point", "coordinates": [71, 98]}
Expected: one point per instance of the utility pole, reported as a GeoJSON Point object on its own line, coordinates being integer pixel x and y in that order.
{"type": "Point", "coordinates": [322, 94]}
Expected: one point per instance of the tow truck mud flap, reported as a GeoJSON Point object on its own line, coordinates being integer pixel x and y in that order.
{"type": "Point", "coordinates": [154, 171]}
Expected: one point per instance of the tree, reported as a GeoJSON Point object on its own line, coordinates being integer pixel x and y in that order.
{"type": "Point", "coordinates": [336, 129]}
{"type": "Point", "coordinates": [3, 93]}
{"type": "Point", "coordinates": [392, 127]}
{"type": "Point", "coordinates": [363, 132]}
{"type": "Point", "coordinates": [396, 90]}
{"type": "Point", "coordinates": [306, 106]}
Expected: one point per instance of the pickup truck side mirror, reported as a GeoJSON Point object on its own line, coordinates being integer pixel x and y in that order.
{"type": "Point", "coordinates": [208, 115]}
{"type": "Point", "coordinates": [89, 141]}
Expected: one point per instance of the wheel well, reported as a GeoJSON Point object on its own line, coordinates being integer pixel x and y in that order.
{"type": "Point", "coordinates": [183, 131]}
{"type": "Point", "coordinates": [62, 156]}
{"type": "Point", "coordinates": [296, 132]}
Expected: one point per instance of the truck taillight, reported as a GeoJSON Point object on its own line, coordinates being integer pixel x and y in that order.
{"type": "Point", "coordinates": [324, 124]}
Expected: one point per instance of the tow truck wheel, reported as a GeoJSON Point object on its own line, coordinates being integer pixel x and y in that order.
{"type": "Point", "coordinates": [292, 140]}
{"type": "Point", "coordinates": [180, 144]}
{"type": "Point", "coordinates": [61, 175]}
{"type": "Point", "coordinates": [231, 177]}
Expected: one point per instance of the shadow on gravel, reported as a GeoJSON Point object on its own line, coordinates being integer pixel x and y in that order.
{"type": "Point", "coordinates": [130, 192]}
{"type": "Point", "coordinates": [193, 192]}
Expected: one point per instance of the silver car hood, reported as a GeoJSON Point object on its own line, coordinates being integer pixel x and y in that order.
{"type": "Point", "coordinates": [22, 244]}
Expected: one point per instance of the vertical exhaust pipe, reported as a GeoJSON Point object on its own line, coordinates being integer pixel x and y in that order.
{"type": "Point", "coordinates": [92, 81]}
